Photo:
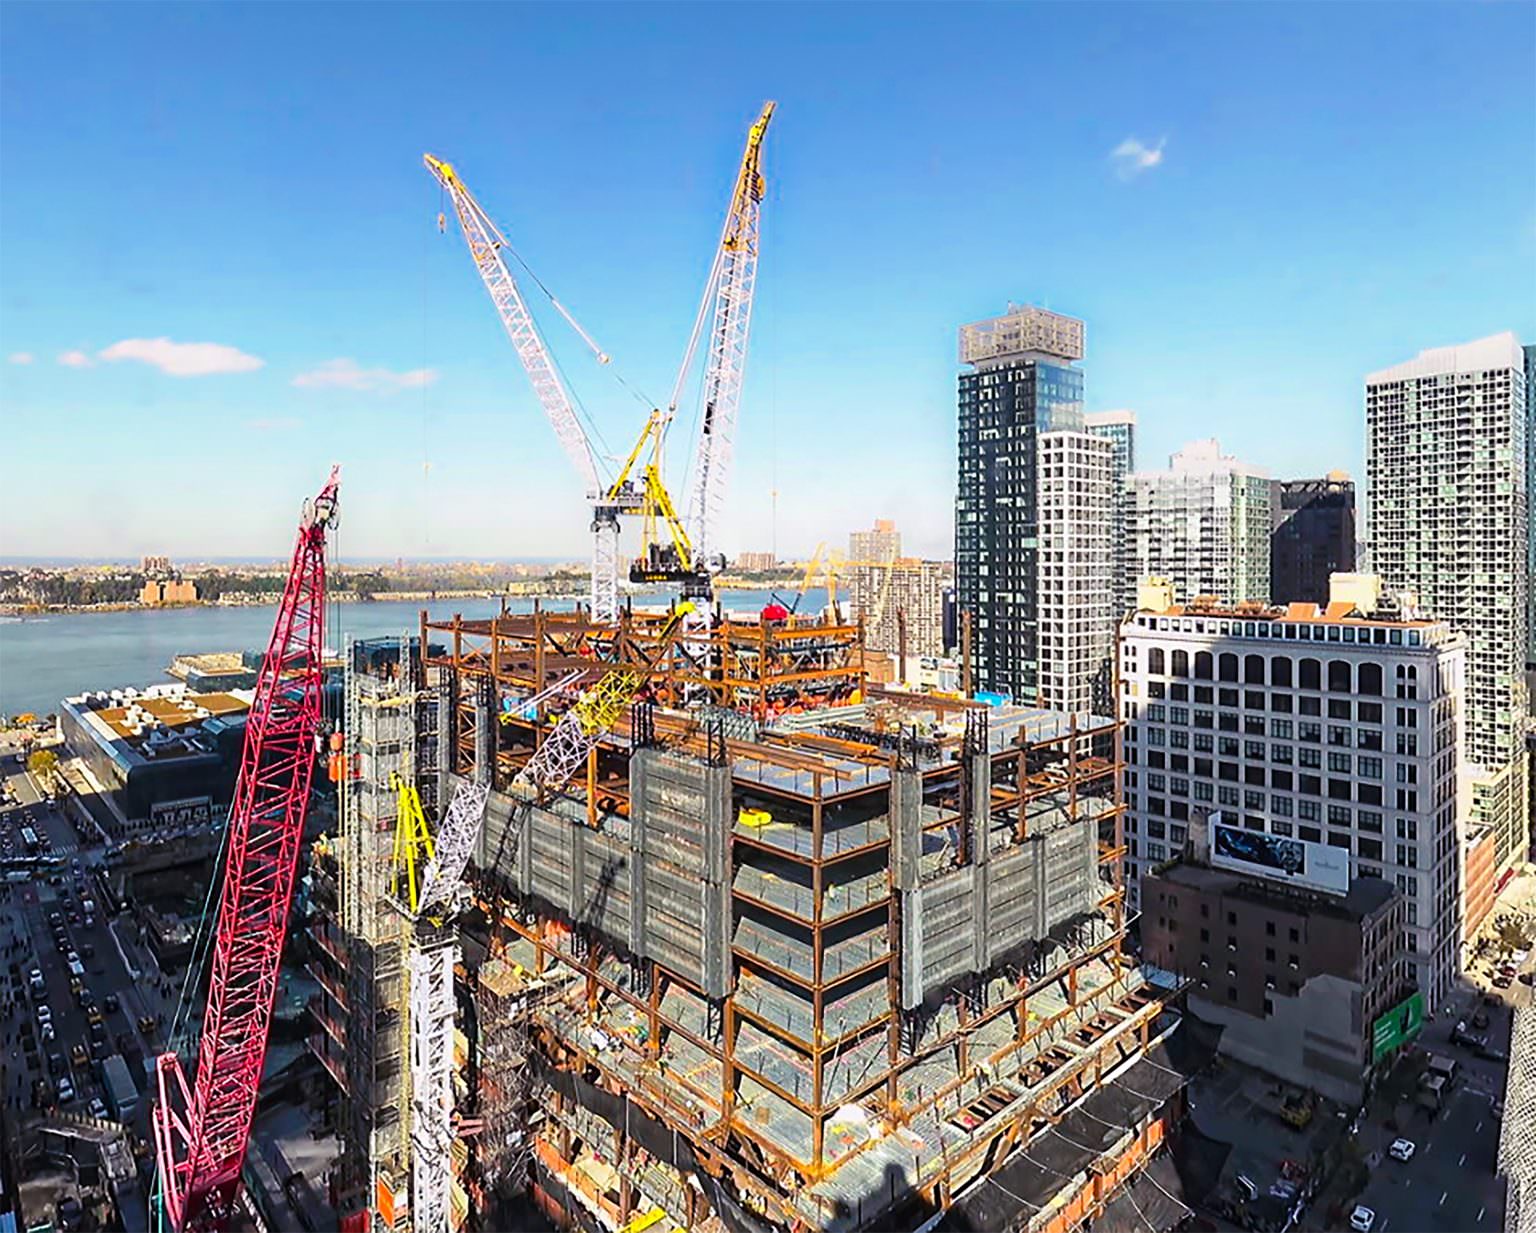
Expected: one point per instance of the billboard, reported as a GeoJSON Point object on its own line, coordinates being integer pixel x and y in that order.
{"type": "Point", "coordinates": [1297, 862]}
{"type": "Point", "coordinates": [1398, 1026]}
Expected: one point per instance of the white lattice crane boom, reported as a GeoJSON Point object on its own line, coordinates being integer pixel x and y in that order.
{"type": "Point", "coordinates": [727, 304]}
{"type": "Point", "coordinates": [486, 244]}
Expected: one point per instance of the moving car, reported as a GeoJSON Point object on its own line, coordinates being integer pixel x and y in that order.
{"type": "Point", "coordinates": [79, 1057]}
{"type": "Point", "coordinates": [1362, 1219]}
{"type": "Point", "coordinates": [66, 1090]}
{"type": "Point", "coordinates": [1402, 1149]}
{"type": "Point", "coordinates": [98, 1108]}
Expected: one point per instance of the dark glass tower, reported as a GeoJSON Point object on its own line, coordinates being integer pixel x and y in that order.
{"type": "Point", "coordinates": [1021, 384]}
{"type": "Point", "coordinates": [1312, 535]}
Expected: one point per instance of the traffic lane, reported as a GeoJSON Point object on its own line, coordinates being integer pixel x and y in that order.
{"type": "Point", "coordinates": [1450, 1185]}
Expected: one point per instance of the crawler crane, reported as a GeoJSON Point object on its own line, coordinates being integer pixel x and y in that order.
{"type": "Point", "coordinates": [201, 1132]}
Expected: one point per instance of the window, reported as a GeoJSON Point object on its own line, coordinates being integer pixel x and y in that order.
{"type": "Point", "coordinates": [1253, 749]}
{"type": "Point", "coordinates": [1269, 928]}
{"type": "Point", "coordinates": [1226, 795]}
{"type": "Point", "coordinates": [1295, 935]}
{"type": "Point", "coordinates": [1253, 669]}
{"type": "Point", "coordinates": [1253, 699]}
{"type": "Point", "coordinates": [1205, 934]}
{"type": "Point", "coordinates": [1368, 712]}
{"type": "Point", "coordinates": [1306, 730]}
{"type": "Point", "coordinates": [1226, 666]}
{"type": "Point", "coordinates": [1155, 661]}
{"type": "Point", "coordinates": [1180, 664]}
{"type": "Point", "coordinates": [1231, 918]}
{"type": "Point", "coordinates": [1311, 674]}
{"type": "Point", "coordinates": [1340, 762]}
{"type": "Point", "coordinates": [1369, 681]}
{"type": "Point", "coordinates": [1340, 678]}
{"type": "Point", "coordinates": [1280, 671]}
{"type": "Point", "coordinates": [1280, 805]}
{"type": "Point", "coordinates": [1339, 708]}
{"type": "Point", "coordinates": [1269, 951]}
{"type": "Point", "coordinates": [1281, 754]}
{"type": "Point", "coordinates": [1309, 811]}
{"type": "Point", "coordinates": [1370, 768]}
{"type": "Point", "coordinates": [1203, 668]}
{"type": "Point", "coordinates": [1281, 729]}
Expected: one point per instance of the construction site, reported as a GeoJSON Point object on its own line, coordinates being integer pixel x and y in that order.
{"type": "Point", "coordinates": [654, 915]}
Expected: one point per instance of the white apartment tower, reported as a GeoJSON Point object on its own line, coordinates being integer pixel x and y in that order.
{"type": "Point", "coordinates": [1076, 596]}
{"type": "Point", "coordinates": [1447, 524]}
{"type": "Point", "coordinates": [1119, 429]}
{"type": "Point", "coordinates": [882, 542]}
{"type": "Point", "coordinates": [906, 592]}
{"type": "Point", "coordinates": [1203, 524]}
{"type": "Point", "coordinates": [1337, 727]}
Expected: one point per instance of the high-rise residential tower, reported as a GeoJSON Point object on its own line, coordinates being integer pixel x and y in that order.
{"type": "Point", "coordinates": [1119, 429]}
{"type": "Point", "coordinates": [1313, 536]}
{"type": "Point", "coordinates": [1033, 547]}
{"type": "Point", "coordinates": [1446, 520]}
{"type": "Point", "coordinates": [882, 542]}
{"type": "Point", "coordinates": [1203, 524]}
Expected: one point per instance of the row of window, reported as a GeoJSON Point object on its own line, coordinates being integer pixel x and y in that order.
{"type": "Point", "coordinates": [1342, 676]}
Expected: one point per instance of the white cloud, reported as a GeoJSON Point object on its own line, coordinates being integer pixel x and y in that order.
{"type": "Point", "coordinates": [176, 359]}
{"type": "Point", "coordinates": [21, 357]}
{"type": "Point", "coordinates": [1131, 157]}
{"type": "Point", "coordinates": [344, 374]}
{"type": "Point", "coordinates": [76, 359]}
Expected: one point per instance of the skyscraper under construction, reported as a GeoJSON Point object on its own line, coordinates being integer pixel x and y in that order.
{"type": "Point", "coordinates": [788, 952]}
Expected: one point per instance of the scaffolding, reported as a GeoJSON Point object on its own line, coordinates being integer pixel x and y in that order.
{"type": "Point", "coordinates": [379, 728]}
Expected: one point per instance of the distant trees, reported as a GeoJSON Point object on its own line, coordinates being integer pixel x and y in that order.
{"type": "Point", "coordinates": [43, 763]}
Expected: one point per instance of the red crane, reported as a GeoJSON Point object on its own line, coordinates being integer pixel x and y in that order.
{"type": "Point", "coordinates": [200, 1152]}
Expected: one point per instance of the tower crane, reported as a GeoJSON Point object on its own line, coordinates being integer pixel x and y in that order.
{"type": "Point", "coordinates": [201, 1133]}
{"type": "Point", "coordinates": [428, 886]}
{"type": "Point", "coordinates": [683, 553]}
{"type": "Point", "coordinates": [486, 243]}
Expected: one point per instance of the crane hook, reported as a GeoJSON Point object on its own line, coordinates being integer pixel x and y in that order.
{"type": "Point", "coordinates": [442, 222]}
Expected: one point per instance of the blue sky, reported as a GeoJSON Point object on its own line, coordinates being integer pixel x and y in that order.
{"type": "Point", "coordinates": [1311, 192]}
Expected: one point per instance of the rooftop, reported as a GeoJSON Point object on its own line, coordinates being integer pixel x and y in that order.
{"type": "Point", "coordinates": [1366, 895]}
{"type": "Point", "coordinates": [1495, 351]}
{"type": "Point", "coordinates": [160, 724]}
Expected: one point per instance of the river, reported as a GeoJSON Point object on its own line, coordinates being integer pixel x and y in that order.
{"type": "Point", "coordinates": [45, 659]}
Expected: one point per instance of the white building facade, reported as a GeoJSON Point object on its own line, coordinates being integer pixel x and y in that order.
{"type": "Point", "coordinates": [1447, 522]}
{"type": "Point", "coordinates": [1204, 523]}
{"type": "Point", "coordinates": [1078, 606]}
{"type": "Point", "coordinates": [1325, 725]}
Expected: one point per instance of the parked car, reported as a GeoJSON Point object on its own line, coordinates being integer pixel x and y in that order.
{"type": "Point", "coordinates": [66, 1090]}
{"type": "Point", "coordinates": [98, 1108]}
{"type": "Point", "coordinates": [79, 1057]}
{"type": "Point", "coordinates": [1402, 1149]}
{"type": "Point", "coordinates": [1362, 1219]}
{"type": "Point", "coordinates": [111, 1003]}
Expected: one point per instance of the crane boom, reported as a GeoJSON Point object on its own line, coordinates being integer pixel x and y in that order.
{"type": "Point", "coordinates": [728, 300]}
{"type": "Point", "coordinates": [200, 1152]}
{"type": "Point", "coordinates": [485, 244]}
{"type": "Point", "coordinates": [557, 758]}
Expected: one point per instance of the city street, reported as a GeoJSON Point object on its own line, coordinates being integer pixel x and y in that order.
{"type": "Point", "coordinates": [1449, 1186]}
{"type": "Point", "coordinates": [69, 890]}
